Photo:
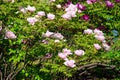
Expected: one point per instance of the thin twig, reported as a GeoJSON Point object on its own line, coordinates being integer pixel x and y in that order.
{"type": "Point", "coordinates": [16, 72]}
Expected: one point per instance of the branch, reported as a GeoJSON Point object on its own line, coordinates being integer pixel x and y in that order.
{"type": "Point", "coordinates": [0, 75]}
{"type": "Point", "coordinates": [16, 72]}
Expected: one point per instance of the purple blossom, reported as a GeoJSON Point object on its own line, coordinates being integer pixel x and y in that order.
{"type": "Point", "coordinates": [81, 7]}
{"type": "Point", "coordinates": [117, 1]}
{"type": "Point", "coordinates": [109, 4]}
{"type": "Point", "coordinates": [85, 17]}
{"type": "Point", "coordinates": [101, 28]}
{"type": "Point", "coordinates": [69, 2]}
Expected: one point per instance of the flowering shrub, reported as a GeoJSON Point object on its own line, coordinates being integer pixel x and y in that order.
{"type": "Point", "coordinates": [53, 38]}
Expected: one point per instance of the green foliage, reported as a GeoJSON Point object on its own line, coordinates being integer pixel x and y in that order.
{"type": "Point", "coordinates": [27, 53]}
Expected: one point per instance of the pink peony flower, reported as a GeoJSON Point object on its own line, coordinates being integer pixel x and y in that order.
{"type": "Point", "coordinates": [66, 16]}
{"type": "Point", "coordinates": [58, 6]}
{"type": "Point", "coordinates": [79, 52]}
{"type": "Point", "coordinates": [10, 35]}
{"type": "Point", "coordinates": [58, 36]}
{"type": "Point", "coordinates": [97, 46]}
{"type": "Point", "coordinates": [31, 9]}
{"type": "Point", "coordinates": [98, 32]}
{"type": "Point", "coordinates": [50, 16]}
{"type": "Point", "coordinates": [88, 31]}
{"type": "Point", "coordinates": [48, 34]}
{"type": "Point", "coordinates": [67, 51]}
{"type": "Point", "coordinates": [100, 38]}
{"type": "Point", "coordinates": [71, 7]}
{"type": "Point", "coordinates": [32, 20]}
{"type": "Point", "coordinates": [70, 63]}
{"type": "Point", "coordinates": [41, 13]}
{"type": "Point", "coordinates": [62, 55]}
{"type": "Point", "coordinates": [106, 46]}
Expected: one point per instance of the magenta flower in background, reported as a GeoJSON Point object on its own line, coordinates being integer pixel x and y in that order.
{"type": "Point", "coordinates": [109, 4]}
{"type": "Point", "coordinates": [117, 1]}
{"type": "Point", "coordinates": [85, 17]}
{"type": "Point", "coordinates": [69, 2]}
{"type": "Point", "coordinates": [81, 7]}
{"type": "Point", "coordinates": [101, 28]}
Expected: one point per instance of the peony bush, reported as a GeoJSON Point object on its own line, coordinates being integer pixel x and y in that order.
{"type": "Point", "coordinates": [52, 39]}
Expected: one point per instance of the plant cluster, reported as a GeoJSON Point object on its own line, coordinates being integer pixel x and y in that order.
{"type": "Point", "coordinates": [51, 39]}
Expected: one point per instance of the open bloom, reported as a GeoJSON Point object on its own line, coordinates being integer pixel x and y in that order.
{"type": "Point", "coordinates": [98, 32]}
{"type": "Point", "coordinates": [70, 63]}
{"type": "Point", "coordinates": [41, 13]}
{"type": "Point", "coordinates": [62, 55]}
{"type": "Point", "coordinates": [66, 16]}
{"type": "Point", "coordinates": [31, 9]}
{"type": "Point", "coordinates": [58, 36]}
{"type": "Point", "coordinates": [97, 46]}
{"type": "Point", "coordinates": [67, 51]}
{"type": "Point", "coordinates": [100, 37]}
{"type": "Point", "coordinates": [79, 52]}
{"type": "Point", "coordinates": [71, 7]}
{"type": "Point", "coordinates": [109, 4]}
{"type": "Point", "coordinates": [32, 20]}
{"type": "Point", "coordinates": [88, 31]}
{"type": "Point", "coordinates": [48, 34]}
{"type": "Point", "coordinates": [10, 35]}
{"type": "Point", "coordinates": [70, 12]}
{"type": "Point", "coordinates": [50, 16]}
